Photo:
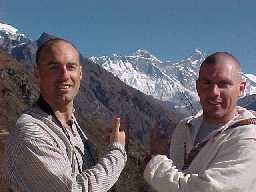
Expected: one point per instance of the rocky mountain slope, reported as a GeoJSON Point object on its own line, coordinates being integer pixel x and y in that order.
{"type": "Point", "coordinates": [173, 82]}
{"type": "Point", "coordinates": [148, 74]}
{"type": "Point", "coordinates": [249, 102]}
{"type": "Point", "coordinates": [17, 92]}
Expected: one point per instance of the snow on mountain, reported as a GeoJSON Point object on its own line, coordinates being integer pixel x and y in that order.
{"type": "Point", "coordinates": [9, 29]}
{"type": "Point", "coordinates": [164, 80]}
{"type": "Point", "coordinates": [250, 83]}
{"type": "Point", "coordinates": [251, 77]}
{"type": "Point", "coordinates": [10, 37]}
{"type": "Point", "coordinates": [186, 71]}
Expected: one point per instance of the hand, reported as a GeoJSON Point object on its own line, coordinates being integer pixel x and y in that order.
{"type": "Point", "coordinates": [117, 135]}
{"type": "Point", "coordinates": [159, 143]}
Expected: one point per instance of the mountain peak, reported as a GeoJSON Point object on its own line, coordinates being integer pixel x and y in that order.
{"type": "Point", "coordinates": [44, 37]}
{"type": "Point", "coordinates": [2, 22]}
{"type": "Point", "coordinates": [10, 37]}
{"type": "Point", "coordinates": [196, 57]}
{"type": "Point", "coordinates": [198, 50]}
{"type": "Point", "coordinates": [8, 28]}
{"type": "Point", "coordinates": [142, 52]}
{"type": "Point", "coordinates": [145, 54]}
{"type": "Point", "coordinates": [198, 53]}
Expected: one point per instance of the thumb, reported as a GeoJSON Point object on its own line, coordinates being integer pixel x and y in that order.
{"type": "Point", "coordinates": [116, 125]}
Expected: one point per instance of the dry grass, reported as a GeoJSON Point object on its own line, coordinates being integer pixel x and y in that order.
{"type": "Point", "coordinates": [3, 137]}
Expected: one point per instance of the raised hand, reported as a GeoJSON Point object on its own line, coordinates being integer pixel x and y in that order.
{"type": "Point", "coordinates": [117, 135]}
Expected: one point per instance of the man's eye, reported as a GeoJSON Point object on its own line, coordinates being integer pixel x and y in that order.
{"type": "Point", "coordinates": [53, 67]}
{"type": "Point", "coordinates": [206, 82]}
{"type": "Point", "coordinates": [224, 84]}
{"type": "Point", "coordinates": [71, 67]}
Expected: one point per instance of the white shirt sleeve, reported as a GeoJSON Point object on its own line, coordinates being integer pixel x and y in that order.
{"type": "Point", "coordinates": [232, 169]}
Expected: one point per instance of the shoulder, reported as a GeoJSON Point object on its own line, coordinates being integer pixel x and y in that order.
{"type": "Point", "coordinates": [25, 120]}
{"type": "Point", "coordinates": [30, 125]}
{"type": "Point", "coordinates": [189, 122]}
{"type": "Point", "coordinates": [184, 122]}
{"type": "Point", "coordinates": [245, 126]}
{"type": "Point", "coordinates": [30, 135]}
{"type": "Point", "coordinates": [243, 132]}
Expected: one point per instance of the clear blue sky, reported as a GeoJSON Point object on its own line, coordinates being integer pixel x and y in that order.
{"type": "Point", "coordinates": [169, 29]}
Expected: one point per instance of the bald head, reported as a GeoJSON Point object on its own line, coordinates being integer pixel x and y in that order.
{"type": "Point", "coordinates": [58, 72]}
{"type": "Point", "coordinates": [219, 87]}
{"type": "Point", "coordinates": [222, 58]}
{"type": "Point", "coordinates": [48, 44]}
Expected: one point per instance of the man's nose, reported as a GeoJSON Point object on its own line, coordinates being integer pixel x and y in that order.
{"type": "Point", "coordinates": [215, 90]}
{"type": "Point", "coordinates": [63, 72]}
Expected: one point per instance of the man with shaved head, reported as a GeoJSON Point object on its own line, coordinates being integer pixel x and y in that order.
{"type": "Point", "coordinates": [48, 150]}
{"type": "Point", "coordinates": [219, 86]}
{"type": "Point", "coordinates": [215, 150]}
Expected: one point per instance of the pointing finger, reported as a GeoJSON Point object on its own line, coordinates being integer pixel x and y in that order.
{"type": "Point", "coordinates": [116, 124]}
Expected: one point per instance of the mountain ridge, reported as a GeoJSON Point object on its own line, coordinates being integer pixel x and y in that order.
{"type": "Point", "coordinates": [165, 80]}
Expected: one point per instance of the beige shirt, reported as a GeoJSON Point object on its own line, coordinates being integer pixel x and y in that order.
{"type": "Point", "coordinates": [39, 157]}
{"type": "Point", "coordinates": [225, 164]}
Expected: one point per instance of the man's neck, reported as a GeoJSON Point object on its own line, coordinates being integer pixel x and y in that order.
{"type": "Point", "coordinates": [221, 120]}
{"type": "Point", "coordinates": [64, 113]}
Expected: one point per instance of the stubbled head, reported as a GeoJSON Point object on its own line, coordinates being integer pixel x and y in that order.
{"type": "Point", "coordinates": [219, 86]}
{"type": "Point", "coordinates": [58, 71]}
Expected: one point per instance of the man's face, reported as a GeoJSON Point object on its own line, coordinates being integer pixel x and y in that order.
{"type": "Point", "coordinates": [219, 87]}
{"type": "Point", "coordinates": [59, 74]}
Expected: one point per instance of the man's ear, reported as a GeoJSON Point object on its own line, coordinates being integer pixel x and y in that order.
{"type": "Point", "coordinates": [81, 72]}
{"type": "Point", "coordinates": [242, 87]}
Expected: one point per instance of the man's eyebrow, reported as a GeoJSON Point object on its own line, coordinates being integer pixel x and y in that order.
{"type": "Point", "coordinates": [52, 62]}
{"type": "Point", "coordinates": [73, 63]}
{"type": "Point", "coordinates": [203, 79]}
{"type": "Point", "coordinates": [227, 81]}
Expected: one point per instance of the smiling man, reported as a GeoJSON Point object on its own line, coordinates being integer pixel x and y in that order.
{"type": "Point", "coordinates": [216, 149]}
{"type": "Point", "coordinates": [48, 150]}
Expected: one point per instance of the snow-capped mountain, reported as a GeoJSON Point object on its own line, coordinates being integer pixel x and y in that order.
{"type": "Point", "coordinates": [10, 37]}
{"type": "Point", "coordinates": [186, 70]}
{"type": "Point", "coordinates": [250, 84]}
{"type": "Point", "coordinates": [164, 80]}
{"type": "Point", "coordinates": [17, 44]}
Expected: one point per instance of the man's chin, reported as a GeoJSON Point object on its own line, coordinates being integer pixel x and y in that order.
{"type": "Point", "coordinates": [64, 99]}
{"type": "Point", "coordinates": [216, 115]}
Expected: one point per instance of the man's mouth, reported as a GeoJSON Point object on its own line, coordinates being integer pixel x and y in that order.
{"type": "Point", "coordinates": [63, 86]}
{"type": "Point", "coordinates": [214, 102]}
